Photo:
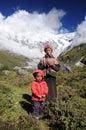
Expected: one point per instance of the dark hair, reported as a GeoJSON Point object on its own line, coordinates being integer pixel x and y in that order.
{"type": "Point", "coordinates": [35, 74]}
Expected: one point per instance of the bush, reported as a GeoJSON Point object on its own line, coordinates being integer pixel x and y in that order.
{"type": "Point", "coordinates": [5, 68]}
{"type": "Point", "coordinates": [6, 98]}
{"type": "Point", "coordinates": [68, 113]}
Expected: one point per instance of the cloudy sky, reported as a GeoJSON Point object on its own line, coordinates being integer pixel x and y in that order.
{"type": "Point", "coordinates": [41, 18]}
{"type": "Point", "coordinates": [70, 12]}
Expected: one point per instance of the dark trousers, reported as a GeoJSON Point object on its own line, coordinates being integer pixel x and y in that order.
{"type": "Point", "coordinates": [38, 107]}
{"type": "Point", "coordinates": [52, 90]}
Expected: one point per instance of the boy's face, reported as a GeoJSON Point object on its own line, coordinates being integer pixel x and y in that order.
{"type": "Point", "coordinates": [49, 51]}
{"type": "Point", "coordinates": [39, 77]}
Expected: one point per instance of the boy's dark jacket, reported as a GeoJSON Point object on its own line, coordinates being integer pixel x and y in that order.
{"type": "Point", "coordinates": [49, 70]}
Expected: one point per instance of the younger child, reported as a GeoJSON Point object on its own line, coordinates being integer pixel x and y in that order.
{"type": "Point", "coordinates": [39, 93]}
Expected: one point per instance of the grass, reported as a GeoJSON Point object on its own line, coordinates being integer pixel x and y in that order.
{"type": "Point", "coordinates": [15, 92]}
{"type": "Point", "coordinates": [11, 59]}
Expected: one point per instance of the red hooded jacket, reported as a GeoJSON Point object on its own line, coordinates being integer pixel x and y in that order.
{"type": "Point", "coordinates": [39, 88]}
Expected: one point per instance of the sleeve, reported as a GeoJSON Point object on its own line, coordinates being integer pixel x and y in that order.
{"type": "Point", "coordinates": [56, 66]}
{"type": "Point", "coordinates": [33, 89]}
{"type": "Point", "coordinates": [42, 65]}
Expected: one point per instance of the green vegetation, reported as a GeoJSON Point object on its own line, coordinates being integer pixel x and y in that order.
{"type": "Point", "coordinates": [74, 55]}
{"type": "Point", "coordinates": [67, 113]}
{"type": "Point", "coordinates": [10, 59]}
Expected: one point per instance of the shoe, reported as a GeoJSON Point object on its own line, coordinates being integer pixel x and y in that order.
{"type": "Point", "coordinates": [36, 118]}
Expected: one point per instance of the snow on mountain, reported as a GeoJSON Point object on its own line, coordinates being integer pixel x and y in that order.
{"type": "Point", "coordinates": [26, 33]}
{"type": "Point", "coordinates": [32, 46]}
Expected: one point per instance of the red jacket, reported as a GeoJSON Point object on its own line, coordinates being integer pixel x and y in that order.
{"type": "Point", "coordinates": [39, 88]}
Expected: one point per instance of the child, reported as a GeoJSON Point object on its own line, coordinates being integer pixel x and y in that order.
{"type": "Point", "coordinates": [39, 93]}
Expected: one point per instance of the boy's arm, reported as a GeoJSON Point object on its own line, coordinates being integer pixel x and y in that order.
{"type": "Point", "coordinates": [42, 64]}
{"type": "Point", "coordinates": [56, 67]}
{"type": "Point", "coordinates": [34, 91]}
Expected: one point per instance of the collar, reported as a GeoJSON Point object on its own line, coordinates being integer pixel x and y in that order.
{"type": "Point", "coordinates": [48, 56]}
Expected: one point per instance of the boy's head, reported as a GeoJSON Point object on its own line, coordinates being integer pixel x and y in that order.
{"type": "Point", "coordinates": [48, 49]}
{"type": "Point", "coordinates": [38, 75]}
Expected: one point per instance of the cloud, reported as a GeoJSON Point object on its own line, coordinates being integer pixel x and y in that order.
{"type": "Point", "coordinates": [80, 36]}
{"type": "Point", "coordinates": [23, 25]}
{"type": "Point", "coordinates": [24, 21]}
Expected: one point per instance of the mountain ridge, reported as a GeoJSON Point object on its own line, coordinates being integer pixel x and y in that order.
{"type": "Point", "coordinates": [32, 47]}
{"type": "Point", "coordinates": [69, 57]}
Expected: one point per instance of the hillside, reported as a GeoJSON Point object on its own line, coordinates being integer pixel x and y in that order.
{"type": "Point", "coordinates": [12, 59]}
{"type": "Point", "coordinates": [69, 111]}
{"type": "Point", "coordinates": [74, 55]}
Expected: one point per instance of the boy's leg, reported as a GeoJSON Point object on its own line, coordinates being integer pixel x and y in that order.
{"type": "Point", "coordinates": [36, 107]}
{"type": "Point", "coordinates": [42, 105]}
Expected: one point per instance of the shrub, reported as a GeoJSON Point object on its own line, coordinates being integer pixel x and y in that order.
{"type": "Point", "coordinates": [5, 68]}
{"type": "Point", "coordinates": [68, 112]}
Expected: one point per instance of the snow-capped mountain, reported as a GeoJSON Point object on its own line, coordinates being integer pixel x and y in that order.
{"type": "Point", "coordinates": [26, 33]}
{"type": "Point", "coordinates": [32, 46]}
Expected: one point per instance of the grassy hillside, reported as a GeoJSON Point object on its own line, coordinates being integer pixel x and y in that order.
{"type": "Point", "coordinates": [67, 113]}
{"type": "Point", "coordinates": [74, 55]}
{"type": "Point", "coordinates": [11, 59]}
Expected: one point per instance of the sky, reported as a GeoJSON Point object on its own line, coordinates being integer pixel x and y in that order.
{"type": "Point", "coordinates": [74, 11]}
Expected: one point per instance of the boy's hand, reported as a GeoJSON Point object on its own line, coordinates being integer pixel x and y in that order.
{"type": "Point", "coordinates": [39, 96]}
{"type": "Point", "coordinates": [50, 62]}
{"type": "Point", "coordinates": [44, 95]}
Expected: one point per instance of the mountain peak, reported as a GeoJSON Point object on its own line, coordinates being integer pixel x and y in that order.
{"type": "Point", "coordinates": [32, 46]}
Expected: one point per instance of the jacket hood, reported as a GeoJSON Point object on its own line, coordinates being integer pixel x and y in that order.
{"type": "Point", "coordinates": [38, 71]}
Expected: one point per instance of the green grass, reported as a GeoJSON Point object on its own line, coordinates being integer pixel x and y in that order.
{"type": "Point", "coordinates": [16, 92]}
{"type": "Point", "coordinates": [11, 59]}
